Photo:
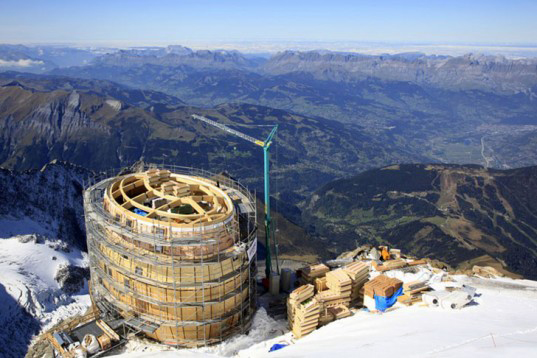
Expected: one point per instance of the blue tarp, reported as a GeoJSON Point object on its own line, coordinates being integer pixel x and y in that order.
{"type": "Point", "coordinates": [140, 212]}
{"type": "Point", "coordinates": [383, 303]}
{"type": "Point", "coordinates": [277, 346]}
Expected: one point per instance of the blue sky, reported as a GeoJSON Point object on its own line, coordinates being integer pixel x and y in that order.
{"type": "Point", "coordinates": [164, 22]}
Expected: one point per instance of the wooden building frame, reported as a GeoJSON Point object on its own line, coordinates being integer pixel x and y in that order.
{"type": "Point", "coordinates": [168, 248]}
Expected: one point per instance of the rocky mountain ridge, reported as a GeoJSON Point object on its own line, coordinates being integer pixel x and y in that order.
{"type": "Point", "coordinates": [471, 71]}
{"type": "Point", "coordinates": [176, 56]}
{"type": "Point", "coordinates": [93, 129]}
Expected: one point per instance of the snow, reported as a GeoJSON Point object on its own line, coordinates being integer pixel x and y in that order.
{"type": "Point", "coordinates": [501, 322]}
{"type": "Point", "coordinates": [28, 269]}
{"type": "Point", "coordinates": [30, 298]}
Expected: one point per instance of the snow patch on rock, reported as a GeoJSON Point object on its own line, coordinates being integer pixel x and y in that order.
{"type": "Point", "coordinates": [29, 269]}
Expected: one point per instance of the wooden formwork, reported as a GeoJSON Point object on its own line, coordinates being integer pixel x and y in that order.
{"type": "Point", "coordinates": [166, 272]}
{"type": "Point", "coordinates": [211, 244]}
{"type": "Point", "coordinates": [182, 271]}
{"type": "Point", "coordinates": [195, 336]}
{"type": "Point", "coordinates": [169, 293]}
{"type": "Point", "coordinates": [170, 311]}
{"type": "Point", "coordinates": [132, 191]}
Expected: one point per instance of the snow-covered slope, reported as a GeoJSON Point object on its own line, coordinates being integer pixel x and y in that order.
{"type": "Point", "coordinates": [502, 322]}
{"type": "Point", "coordinates": [30, 289]}
{"type": "Point", "coordinates": [42, 267]}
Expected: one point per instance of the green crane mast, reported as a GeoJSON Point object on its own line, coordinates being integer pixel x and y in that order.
{"type": "Point", "coordinates": [266, 161]}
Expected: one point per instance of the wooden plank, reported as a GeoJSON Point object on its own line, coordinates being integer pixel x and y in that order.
{"type": "Point", "coordinates": [107, 329]}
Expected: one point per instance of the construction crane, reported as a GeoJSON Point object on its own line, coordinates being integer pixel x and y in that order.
{"type": "Point", "coordinates": [266, 157]}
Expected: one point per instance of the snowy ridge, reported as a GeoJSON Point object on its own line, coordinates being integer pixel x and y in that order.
{"type": "Point", "coordinates": [502, 322]}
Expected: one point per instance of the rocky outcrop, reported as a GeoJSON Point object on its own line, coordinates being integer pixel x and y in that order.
{"type": "Point", "coordinates": [51, 198]}
{"type": "Point", "coordinates": [72, 278]}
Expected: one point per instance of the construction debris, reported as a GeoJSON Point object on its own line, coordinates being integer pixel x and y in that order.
{"type": "Point", "coordinates": [448, 300]}
{"type": "Point", "coordinates": [412, 292]}
{"type": "Point", "coordinates": [327, 295]}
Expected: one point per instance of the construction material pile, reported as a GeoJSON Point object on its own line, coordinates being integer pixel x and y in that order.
{"type": "Point", "coordinates": [359, 274]}
{"type": "Point", "coordinates": [162, 178]}
{"type": "Point", "coordinates": [337, 289]}
{"type": "Point", "coordinates": [157, 177]}
{"type": "Point", "coordinates": [379, 291]}
{"type": "Point", "coordinates": [372, 280]}
{"type": "Point", "coordinates": [303, 311]}
{"type": "Point", "coordinates": [326, 295]}
{"type": "Point", "coordinates": [413, 292]}
{"type": "Point", "coordinates": [310, 273]}
{"type": "Point", "coordinates": [450, 298]}
{"type": "Point", "coordinates": [396, 264]}
{"type": "Point", "coordinates": [328, 298]}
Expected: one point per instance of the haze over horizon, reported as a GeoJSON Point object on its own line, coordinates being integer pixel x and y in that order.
{"type": "Point", "coordinates": [140, 22]}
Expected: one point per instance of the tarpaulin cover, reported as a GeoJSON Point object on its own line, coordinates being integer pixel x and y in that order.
{"type": "Point", "coordinates": [277, 346]}
{"type": "Point", "coordinates": [140, 212]}
{"type": "Point", "coordinates": [383, 303]}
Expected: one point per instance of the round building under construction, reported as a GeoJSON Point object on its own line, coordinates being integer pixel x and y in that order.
{"type": "Point", "coordinates": [172, 253]}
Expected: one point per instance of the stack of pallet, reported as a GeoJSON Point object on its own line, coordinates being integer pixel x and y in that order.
{"type": "Point", "coordinates": [156, 177]}
{"type": "Point", "coordinates": [174, 188]}
{"type": "Point", "coordinates": [340, 311]}
{"type": "Point", "coordinates": [331, 314]}
{"type": "Point", "coordinates": [339, 282]}
{"type": "Point", "coordinates": [181, 190]}
{"type": "Point", "coordinates": [382, 286]}
{"type": "Point", "coordinates": [302, 311]}
{"type": "Point", "coordinates": [359, 274]}
{"type": "Point", "coordinates": [310, 273]}
{"type": "Point", "coordinates": [306, 318]}
{"type": "Point", "coordinates": [329, 298]}
{"type": "Point", "coordinates": [320, 284]}
{"type": "Point", "coordinates": [413, 292]}
{"type": "Point", "coordinates": [167, 187]}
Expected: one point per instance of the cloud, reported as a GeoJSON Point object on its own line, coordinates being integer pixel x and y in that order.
{"type": "Point", "coordinates": [20, 63]}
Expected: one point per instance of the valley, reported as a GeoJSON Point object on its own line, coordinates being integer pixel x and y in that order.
{"type": "Point", "coordinates": [454, 213]}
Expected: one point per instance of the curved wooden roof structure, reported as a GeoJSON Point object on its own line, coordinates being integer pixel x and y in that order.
{"type": "Point", "coordinates": [173, 199]}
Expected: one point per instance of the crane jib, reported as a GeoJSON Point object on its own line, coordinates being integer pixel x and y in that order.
{"type": "Point", "coordinates": [266, 147]}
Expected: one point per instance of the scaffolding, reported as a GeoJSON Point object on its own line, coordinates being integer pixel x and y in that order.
{"type": "Point", "coordinates": [173, 252]}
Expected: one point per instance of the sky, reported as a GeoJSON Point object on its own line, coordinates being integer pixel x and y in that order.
{"type": "Point", "coordinates": [156, 22]}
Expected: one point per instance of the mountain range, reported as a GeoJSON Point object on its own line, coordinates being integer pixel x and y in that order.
{"type": "Point", "coordinates": [101, 125]}
{"type": "Point", "coordinates": [434, 155]}
{"type": "Point", "coordinates": [467, 109]}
